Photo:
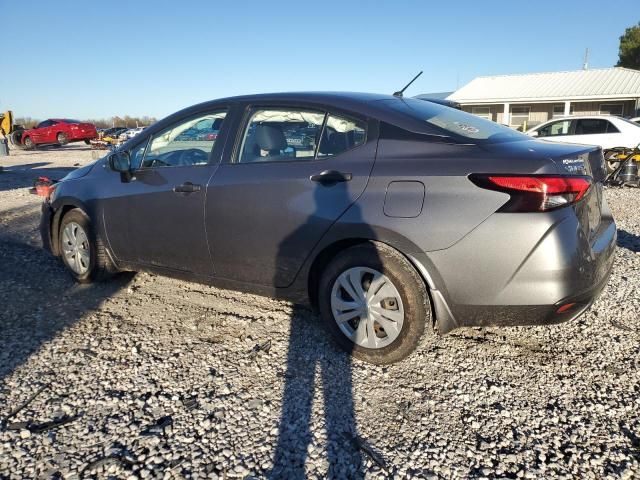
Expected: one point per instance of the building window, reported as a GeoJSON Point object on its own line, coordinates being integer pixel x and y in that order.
{"type": "Point", "coordinates": [482, 112]}
{"type": "Point", "coordinates": [519, 116]}
{"type": "Point", "coordinates": [558, 110]}
{"type": "Point", "coordinates": [616, 109]}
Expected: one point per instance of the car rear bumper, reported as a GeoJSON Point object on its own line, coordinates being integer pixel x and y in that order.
{"type": "Point", "coordinates": [524, 269]}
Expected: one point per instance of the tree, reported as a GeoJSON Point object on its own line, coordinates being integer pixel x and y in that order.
{"type": "Point", "coordinates": [629, 54]}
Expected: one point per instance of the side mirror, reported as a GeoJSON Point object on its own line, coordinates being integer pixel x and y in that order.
{"type": "Point", "coordinates": [121, 162]}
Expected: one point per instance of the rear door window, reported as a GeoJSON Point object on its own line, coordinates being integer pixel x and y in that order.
{"type": "Point", "coordinates": [279, 134]}
{"type": "Point", "coordinates": [594, 126]}
{"type": "Point", "coordinates": [276, 135]}
{"type": "Point", "coordinates": [341, 134]}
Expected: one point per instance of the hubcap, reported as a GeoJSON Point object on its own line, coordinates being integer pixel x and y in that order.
{"type": "Point", "coordinates": [75, 246]}
{"type": "Point", "coordinates": [367, 307]}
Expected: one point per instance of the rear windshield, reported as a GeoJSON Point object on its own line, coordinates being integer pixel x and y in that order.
{"type": "Point", "coordinates": [69, 120]}
{"type": "Point", "coordinates": [454, 123]}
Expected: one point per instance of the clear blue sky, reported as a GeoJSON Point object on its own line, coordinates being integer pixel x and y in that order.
{"type": "Point", "coordinates": [98, 59]}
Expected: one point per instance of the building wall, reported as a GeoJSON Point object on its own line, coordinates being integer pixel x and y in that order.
{"type": "Point", "coordinates": [541, 112]}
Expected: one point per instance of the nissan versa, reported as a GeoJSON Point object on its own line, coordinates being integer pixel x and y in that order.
{"type": "Point", "coordinates": [392, 216]}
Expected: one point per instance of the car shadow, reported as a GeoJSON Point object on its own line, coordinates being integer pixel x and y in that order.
{"type": "Point", "coordinates": [297, 441]}
{"type": "Point", "coordinates": [38, 298]}
{"type": "Point", "coordinates": [629, 241]}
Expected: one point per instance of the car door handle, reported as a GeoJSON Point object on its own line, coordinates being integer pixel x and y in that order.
{"type": "Point", "coordinates": [329, 177]}
{"type": "Point", "coordinates": [187, 187]}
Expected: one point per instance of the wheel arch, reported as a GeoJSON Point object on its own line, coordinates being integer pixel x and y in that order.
{"type": "Point", "coordinates": [61, 208]}
{"type": "Point", "coordinates": [328, 252]}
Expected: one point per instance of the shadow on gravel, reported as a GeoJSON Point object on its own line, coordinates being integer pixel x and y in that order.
{"type": "Point", "coordinates": [629, 241]}
{"type": "Point", "coordinates": [38, 300]}
{"type": "Point", "coordinates": [20, 176]}
{"type": "Point", "coordinates": [20, 224]}
{"type": "Point", "coordinates": [296, 441]}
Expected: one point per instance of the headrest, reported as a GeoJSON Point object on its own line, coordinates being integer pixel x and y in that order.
{"type": "Point", "coordinates": [270, 137]}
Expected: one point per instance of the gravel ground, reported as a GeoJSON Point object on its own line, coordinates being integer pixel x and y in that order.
{"type": "Point", "coordinates": [150, 377]}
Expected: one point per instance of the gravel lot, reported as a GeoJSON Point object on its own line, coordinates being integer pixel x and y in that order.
{"type": "Point", "coordinates": [149, 377]}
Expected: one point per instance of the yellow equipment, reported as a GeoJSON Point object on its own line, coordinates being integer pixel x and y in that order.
{"type": "Point", "coordinates": [6, 122]}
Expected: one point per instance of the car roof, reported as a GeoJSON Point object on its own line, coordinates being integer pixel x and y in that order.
{"type": "Point", "coordinates": [347, 100]}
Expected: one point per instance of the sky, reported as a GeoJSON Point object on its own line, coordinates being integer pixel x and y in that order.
{"type": "Point", "coordinates": [90, 59]}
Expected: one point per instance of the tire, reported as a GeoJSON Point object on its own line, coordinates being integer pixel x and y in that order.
{"type": "Point", "coordinates": [28, 143]}
{"type": "Point", "coordinates": [95, 266]}
{"type": "Point", "coordinates": [62, 138]}
{"type": "Point", "coordinates": [405, 296]}
{"type": "Point", "coordinates": [16, 138]}
{"type": "Point", "coordinates": [611, 165]}
{"type": "Point", "coordinates": [87, 142]}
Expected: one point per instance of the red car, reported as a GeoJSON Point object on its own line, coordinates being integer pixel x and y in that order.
{"type": "Point", "coordinates": [58, 131]}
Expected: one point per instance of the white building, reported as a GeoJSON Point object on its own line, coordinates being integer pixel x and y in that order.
{"type": "Point", "coordinates": [523, 101]}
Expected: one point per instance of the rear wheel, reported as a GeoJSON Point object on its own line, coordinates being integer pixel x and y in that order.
{"type": "Point", "coordinates": [374, 303]}
{"type": "Point", "coordinates": [28, 143]}
{"type": "Point", "coordinates": [82, 252]}
{"type": "Point", "coordinates": [62, 138]}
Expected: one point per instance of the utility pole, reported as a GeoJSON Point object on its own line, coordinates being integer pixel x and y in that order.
{"type": "Point", "coordinates": [585, 63]}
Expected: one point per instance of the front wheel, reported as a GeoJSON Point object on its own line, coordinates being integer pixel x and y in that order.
{"type": "Point", "coordinates": [29, 144]}
{"type": "Point", "coordinates": [374, 303]}
{"type": "Point", "coordinates": [82, 252]}
{"type": "Point", "coordinates": [62, 139]}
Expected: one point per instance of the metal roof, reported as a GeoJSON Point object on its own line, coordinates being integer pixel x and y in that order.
{"type": "Point", "coordinates": [552, 86]}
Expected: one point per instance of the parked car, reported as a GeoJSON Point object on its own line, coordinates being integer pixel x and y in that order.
{"type": "Point", "coordinates": [113, 132]}
{"type": "Point", "coordinates": [408, 217]}
{"type": "Point", "coordinates": [58, 131]}
{"type": "Point", "coordinates": [607, 132]}
{"type": "Point", "coordinates": [132, 132]}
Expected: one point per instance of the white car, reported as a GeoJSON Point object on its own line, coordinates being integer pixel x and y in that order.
{"type": "Point", "coordinates": [132, 132]}
{"type": "Point", "coordinates": [603, 130]}
{"type": "Point", "coordinates": [606, 131]}
{"type": "Point", "coordinates": [635, 120]}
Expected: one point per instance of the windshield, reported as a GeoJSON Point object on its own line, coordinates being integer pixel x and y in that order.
{"type": "Point", "coordinates": [635, 123]}
{"type": "Point", "coordinates": [454, 123]}
{"type": "Point", "coordinates": [69, 120]}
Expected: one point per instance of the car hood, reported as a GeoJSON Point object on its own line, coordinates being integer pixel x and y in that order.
{"type": "Point", "coordinates": [82, 171]}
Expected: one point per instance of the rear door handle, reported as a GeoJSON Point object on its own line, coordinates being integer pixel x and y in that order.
{"type": "Point", "coordinates": [329, 177]}
{"type": "Point", "coordinates": [187, 187]}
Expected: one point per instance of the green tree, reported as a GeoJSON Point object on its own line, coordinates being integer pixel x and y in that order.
{"type": "Point", "coordinates": [629, 54]}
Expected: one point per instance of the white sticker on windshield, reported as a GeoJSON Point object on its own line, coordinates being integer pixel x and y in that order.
{"type": "Point", "coordinates": [466, 128]}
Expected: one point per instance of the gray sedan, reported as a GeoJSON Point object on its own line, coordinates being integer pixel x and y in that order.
{"type": "Point", "coordinates": [393, 217]}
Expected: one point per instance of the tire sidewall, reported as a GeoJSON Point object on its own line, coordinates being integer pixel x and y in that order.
{"type": "Point", "coordinates": [79, 217]}
{"type": "Point", "coordinates": [412, 292]}
{"type": "Point", "coordinates": [64, 140]}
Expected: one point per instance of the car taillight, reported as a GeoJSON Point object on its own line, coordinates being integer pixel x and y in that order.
{"type": "Point", "coordinates": [536, 193]}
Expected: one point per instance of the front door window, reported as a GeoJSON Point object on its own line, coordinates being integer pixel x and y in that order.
{"type": "Point", "coordinates": [188, 143]}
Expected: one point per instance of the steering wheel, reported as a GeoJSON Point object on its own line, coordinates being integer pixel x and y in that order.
{"type": "Point", "coordinates": [192, 156]}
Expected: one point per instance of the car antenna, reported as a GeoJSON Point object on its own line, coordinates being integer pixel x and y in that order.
{"type": "Point", "coordinates": [400, 92]}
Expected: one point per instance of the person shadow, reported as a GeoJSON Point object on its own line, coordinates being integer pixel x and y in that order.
{"type": "Point", "coordinates": [300, 445]}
